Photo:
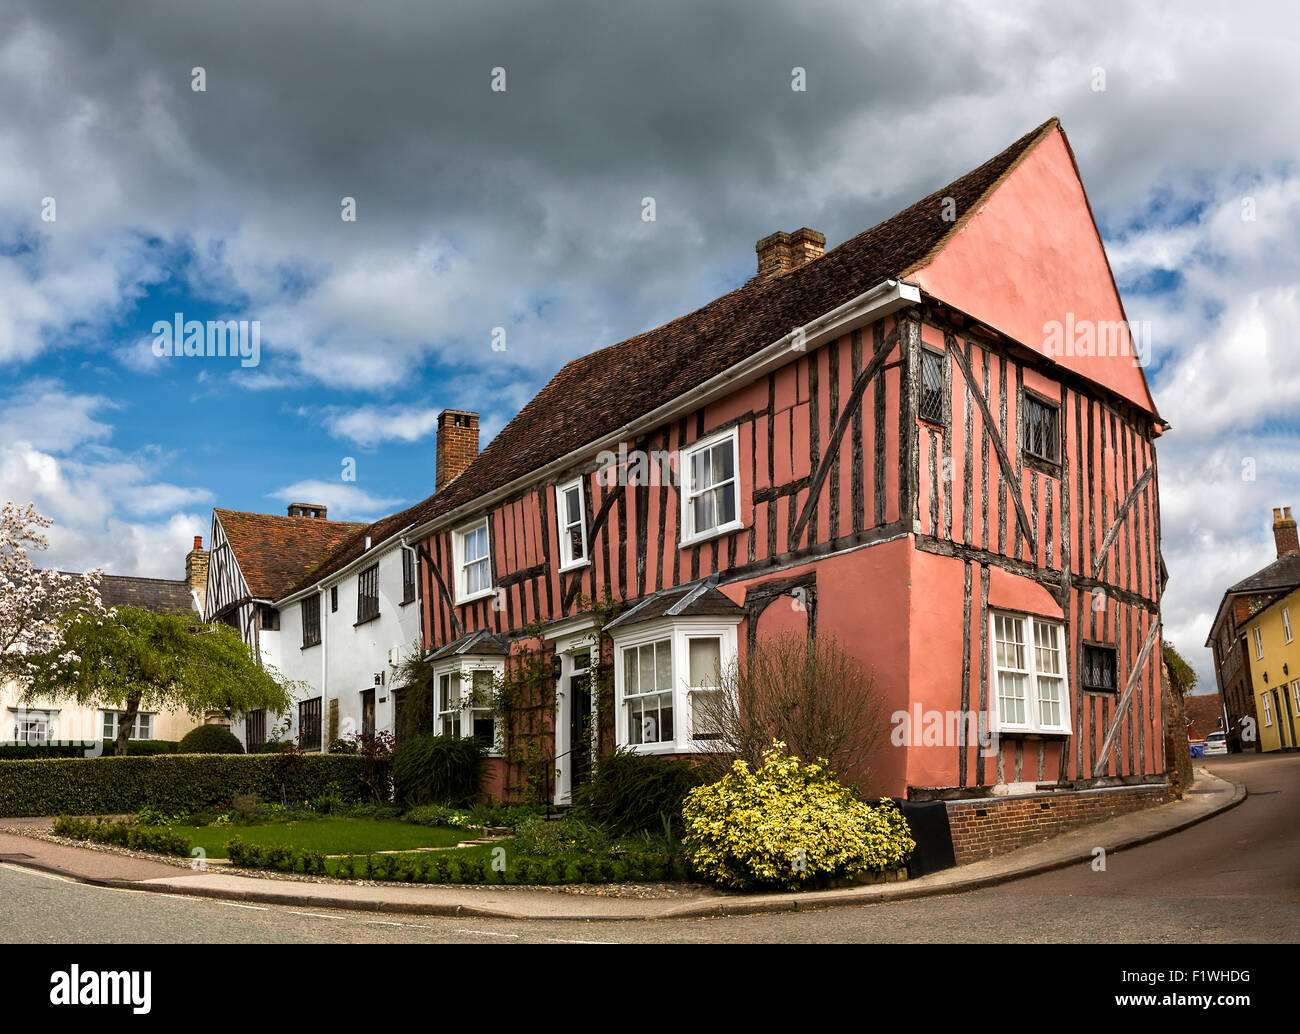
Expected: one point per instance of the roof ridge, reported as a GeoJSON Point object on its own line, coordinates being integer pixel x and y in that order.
{"type": "Point", "coordinates": [286, 517]}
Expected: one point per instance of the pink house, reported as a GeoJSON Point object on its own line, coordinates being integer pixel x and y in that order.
{"type": "Point", "coordinates": [935, 441]}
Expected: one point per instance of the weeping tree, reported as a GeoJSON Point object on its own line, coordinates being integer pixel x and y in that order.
{"type": "Point", "coordinates": [812, 695]}
{"type": "Point", "coordinates": [130, 660]}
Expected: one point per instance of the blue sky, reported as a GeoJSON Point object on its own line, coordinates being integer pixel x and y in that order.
{"type": "Point", "coordinates": [521, 209]}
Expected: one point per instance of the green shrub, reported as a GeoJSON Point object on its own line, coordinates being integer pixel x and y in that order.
{"type": "Point", "coordinates": [540, 838]}
{"type": "Point", "coordinates": [636, 793]}
{"type": "Point", "coordinates": [279, 857]}
{"type": "Point", "coordinates": [789, 826]}
{"type": "Point", "coordinates": [210, 739]}
{"type": "Point", "coordinates": [437, 770]}
{"type": "Point", "coordinates": [173, 783]}
{"type": "Point", "coordinates": [157, 839]}
{"type": "Point", "coordinates": [505, 816]}
{"type": "Point", "coordinates": [436, 815]}
{"type": "Point", "coordinates": [31, 752]}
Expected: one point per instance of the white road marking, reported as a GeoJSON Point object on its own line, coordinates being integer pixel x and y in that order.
{"type": "Point", "coordinates": [255, 908]}
{"type": "Point", "coordinates": [316, 915]}
{"type": "Point", "coordinates": [36, 872]}
{"type": "Point", "coordinates": [563, 940]}
{"type": "Point", "coordinates": [489, 933]}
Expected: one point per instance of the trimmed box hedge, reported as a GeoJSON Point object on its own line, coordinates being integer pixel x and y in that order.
{"type": "Point", "coordinates": [173, 783]}
{"type": "Point", "coordinates": [10, 751]}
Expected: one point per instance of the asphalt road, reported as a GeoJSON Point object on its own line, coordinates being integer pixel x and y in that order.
{"type": "Point", "coordinates": [1234, 878]}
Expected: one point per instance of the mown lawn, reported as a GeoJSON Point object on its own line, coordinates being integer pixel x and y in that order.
{"type": "Point", "coordinates": [329, 835]}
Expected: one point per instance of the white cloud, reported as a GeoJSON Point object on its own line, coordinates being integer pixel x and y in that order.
{"type": "Point", "coordinates": [344, 501]}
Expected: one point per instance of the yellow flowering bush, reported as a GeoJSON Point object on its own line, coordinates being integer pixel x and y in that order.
{"type": "Point", "coordinates": [790, 826]}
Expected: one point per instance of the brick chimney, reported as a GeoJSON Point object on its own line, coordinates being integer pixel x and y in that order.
{"type": "Point", "coordinates": [457, 444]}
{"type": "Point", "coordinates": [315, 510]}
{"type": "Point", "coordinates": [196, 572]}
{"type": "Point", "coordinates": [1284, 532]}
{"type": "Point", "coordinates": [781, 252]}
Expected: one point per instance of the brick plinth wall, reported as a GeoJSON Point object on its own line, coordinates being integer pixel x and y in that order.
{"type": "Point", "coordinates": [982, 828]}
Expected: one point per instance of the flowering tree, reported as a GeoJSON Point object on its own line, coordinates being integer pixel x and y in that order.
{"type": "Point", "coordinates": [35, 605]}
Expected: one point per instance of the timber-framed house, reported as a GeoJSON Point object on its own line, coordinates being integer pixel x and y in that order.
{"type": "Point", "coordinates": [935, 441]}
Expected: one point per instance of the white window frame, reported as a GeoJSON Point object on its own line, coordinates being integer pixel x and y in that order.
{"type": "Point", "coordinates": [45, 718]}
{"type": "Point", "coordinates": [1268, 708]}
{"type": "Point", "coordinates": [689, 535]}
{"type": "Point", "coordinates": [679, 632]}
{"type": "Point", "coordinates": [1286, 623]}
{"type": "Point", "coordinates": [463, 669]}
{"type": "Point", "coordinates": [1033, 709]}
{"type": "Point", "coordinates": [567, 561]}
{"type": "Point", "coordinates": [1259, 644]}
{"type": "Point", "coordinates": [1295, 695]}
{"type": "Point", "coordinates": [463, 595]}
{"type": "Point", "coordinates": [116, 717]}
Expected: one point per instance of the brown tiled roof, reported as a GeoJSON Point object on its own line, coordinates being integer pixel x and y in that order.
{"type": "Point", "coordinates": [596, 394]}
{"type": "Point", "coordinates": [157, 594]}
{"type": "Point", "coordinates": [276, 552]}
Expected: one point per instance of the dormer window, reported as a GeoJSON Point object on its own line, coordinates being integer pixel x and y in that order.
{"type": "Point", "coordinates": [573, 525]}
{"type": "Point", "coordinates": [470, 546]}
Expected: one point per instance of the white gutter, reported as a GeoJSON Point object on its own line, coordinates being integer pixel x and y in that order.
{"type": "Point", "coordinates": [886, 297]}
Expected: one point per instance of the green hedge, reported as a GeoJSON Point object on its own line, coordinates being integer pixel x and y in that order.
{"type": "Point", "coordinates": [27, 752]}
{"type": "Point", "coordinates": [125, 834]}
{"type": "Point", "coordinates": [173, 783]}
{"type": "Point", "coordinates": [435, 867]}
{"type": "Point", "coordinates": [280, 857]}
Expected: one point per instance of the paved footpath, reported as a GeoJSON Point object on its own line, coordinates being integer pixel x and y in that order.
{"type": "Point", "coordinates": [1208, 796]}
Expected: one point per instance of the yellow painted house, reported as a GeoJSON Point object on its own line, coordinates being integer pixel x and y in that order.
{"type": "Point", "coordinates": [1273, 646]}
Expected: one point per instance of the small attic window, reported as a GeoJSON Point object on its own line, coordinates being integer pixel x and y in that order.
{"type": "Point", "coordinates": [1042, 429]}
{"type": "Point", "coordinates": [932, 390]}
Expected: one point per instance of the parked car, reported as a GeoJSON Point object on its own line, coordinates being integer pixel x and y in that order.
{"type": "Point", "coordinates": [1216, 743]}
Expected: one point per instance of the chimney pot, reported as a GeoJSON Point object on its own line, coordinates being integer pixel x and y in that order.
{"type": "Point", "coordinates": [457, 445]}
{"type": "Point", "coordinates": [1284, 532]}
{"type": "Point", "coordinates": [198, 543]}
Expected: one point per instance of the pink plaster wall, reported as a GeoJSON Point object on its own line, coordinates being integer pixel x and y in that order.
{"type": "Point", "coordinates": [1031, 255]}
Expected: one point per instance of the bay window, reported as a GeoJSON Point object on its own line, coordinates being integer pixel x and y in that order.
{"type": "Point", "coordinates": [665, 673]}
{"type": "Point", "coordinates": [1030, 686]}
{"type": "Point", "coordinates": [464, 693]}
